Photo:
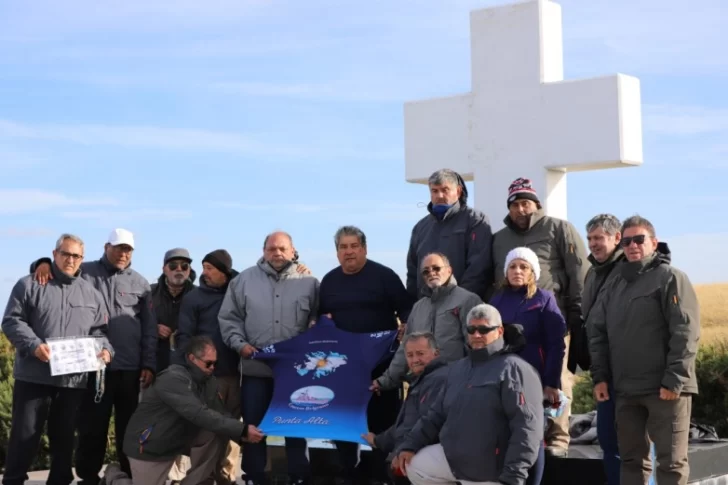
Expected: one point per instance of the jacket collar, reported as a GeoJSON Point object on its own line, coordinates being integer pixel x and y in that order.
{"type": "Point", "coordinates": [62, 277]}
{"type": "Point", "coordinates": [196, 374]}
{"type": "Point", "coordinates": [437, 363]}
{"type": "Point", "coordinates": [288, 270]}
{"type": "Point", "coordinates": [614, 258]}
{"type": "Point", "coordinates": [487, 352]}
{"type": "Point", "coordinates": [456, 207]}
{"type": "Point", "coordinates": [441, 292]}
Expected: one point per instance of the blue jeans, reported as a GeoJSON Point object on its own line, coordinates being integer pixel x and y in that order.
{"type": "Point", "coordinates": [607, 435]}
{"type": "Point", "coordinates": [256, 394]}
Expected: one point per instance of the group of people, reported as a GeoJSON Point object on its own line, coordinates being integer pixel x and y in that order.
{"type": "Point", "coordinates": [492, 329]}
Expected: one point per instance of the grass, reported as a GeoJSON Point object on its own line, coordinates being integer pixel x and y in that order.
{"type": "Point", "coordinates": [713, 312]}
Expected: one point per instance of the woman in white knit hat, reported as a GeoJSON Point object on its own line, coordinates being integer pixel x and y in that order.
{"type": "Point", "coordinates": [521, 301]}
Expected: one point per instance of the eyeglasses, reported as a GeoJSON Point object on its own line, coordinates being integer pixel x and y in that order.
{"type": "Point", "coordinates": [481, 329]}
{"type": "Point", "coordinates": [67, 255]}
{"type": "Point", "coordinates": [638, 240]}
{"type": "Point", "coordinates": [174, 265]}
{"type": "Point", "coordinates": [431, 269]}
{"type": "Point", "coordinates": [209, 363]}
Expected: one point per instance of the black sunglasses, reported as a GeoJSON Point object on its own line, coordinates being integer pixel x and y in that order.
{"type": "Point", "coordinates": [481, 329]}
{"type": "Point", "coordinates": [431, 269]}
{"type": "Point", "coordinates": [638, 240]}
{"type": "Point", "coordinates": [209, 363]}
{"type": "Point", "coordinates": [173, 265]}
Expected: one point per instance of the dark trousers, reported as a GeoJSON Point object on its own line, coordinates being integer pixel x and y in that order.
{"type": "Point", "coordinates": [667, 423]}
{"type": "Point", "coordinates": [121, 395]}
{"type": "Point", "coordinates": [33, 405]}
{"type": "Point", "coordinates": [255, 396]}
{"type": "Point", "coordinates": [381, 414]}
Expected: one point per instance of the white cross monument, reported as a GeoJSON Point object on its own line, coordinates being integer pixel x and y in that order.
{"type": "Point", "coordinates": [521, 118]}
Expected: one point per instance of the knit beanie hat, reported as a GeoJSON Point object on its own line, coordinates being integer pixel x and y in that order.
{"type": "Point", "coordinates": [525, 254]}
{"type": "Point", "coordinates": [521, 189]}
{"type": "Point", "coordinates": [221, 260]}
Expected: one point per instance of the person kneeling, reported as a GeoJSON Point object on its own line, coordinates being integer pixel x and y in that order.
{"type": "Point", "coordinates": [181, 413]}
{"type": "Point", "coordinates": [488, 418]}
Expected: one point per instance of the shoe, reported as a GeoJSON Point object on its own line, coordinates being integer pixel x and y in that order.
{"type": "Point", "coordinates": [555, 452]}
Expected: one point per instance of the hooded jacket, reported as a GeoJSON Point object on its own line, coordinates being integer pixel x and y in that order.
{"type": "Point", "coordinates": [561, 255]}
{"type": "Point", "coordinates": [64, 307]}
{"type": "Point", "coordinates": [263, 306]}
{"type": "Point", "coordinates": [442, 312]}
{"type": "Point", "coordinates": [181, 402]}
{"type": "Point", "coordinates": [645, 327]}
{"type": "Point", "coordinates": [544, 328]}
{"type": "Point", "coordinates": [198, 316]}
{"type": "Point", "coordinates": [464, 236]}
{"type": "Point", "coordinates": [166, 308]}
{"type": "Point", "coordinates": [128, 302]}
{"type": "Point", "coordinates": [421, 393]}
{"type": "Point", "coordinates": [488, 417]}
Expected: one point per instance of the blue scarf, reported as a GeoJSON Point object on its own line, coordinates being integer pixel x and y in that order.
{"type": "Point", "coordinates": [439, 210]}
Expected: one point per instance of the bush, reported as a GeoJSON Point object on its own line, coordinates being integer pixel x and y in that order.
{"type": "Point", "coordinates": [42, 459]}
{"type": "Point", "coordinates": [710, 406]}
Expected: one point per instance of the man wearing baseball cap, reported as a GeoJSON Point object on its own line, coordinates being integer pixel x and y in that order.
{"type": "Point", "coordinates": [562, 258]}
{"type": "Point", "coordinates": [132, 333]}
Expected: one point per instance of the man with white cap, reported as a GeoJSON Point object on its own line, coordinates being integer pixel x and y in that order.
{"type": "Point", "coordinates": [563, 261]}
{"type": "Point", "coordinates": [133, 335]}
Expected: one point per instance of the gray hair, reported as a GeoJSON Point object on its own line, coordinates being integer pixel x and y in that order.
{"type": "Point", "coordinates": [485, 312]}
{"type": "Point", "coordinates": [608, 222]}
{"type": "Point", "coordinates": [66, 237]}
{"type": "Point", "coordinates": [350, 231]}
{"type": "Point", "coordinates": [444, 176]}
{"type": "Point", "coordinates": [444, 258]}
{"type": "Point", "coordinates": [197, 345]}
{"type": "Point", "coordinates": [265, 241]}
{"type": "Point", "coordinates": [418, 335]}
{"type": "Point", "coordinates": [639, 221]}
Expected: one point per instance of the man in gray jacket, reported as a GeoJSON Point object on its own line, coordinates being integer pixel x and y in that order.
{"type": "Point", "coordinates": [132, 333]}
{"type": "Point", "coordinates": [66, 307]}
{"type": "Point", "coordinates": [181, 413]}
{"type": "Point", "coordinates": [442, 312]}
{"type": "Point", "coordinates": [487, 423]}
{"type": "Point", "coordinates": [643, 338]}
{"type": "Point", "coordinates": [452, 228]}
{"type": "Point", "coordinates": [266, 304]}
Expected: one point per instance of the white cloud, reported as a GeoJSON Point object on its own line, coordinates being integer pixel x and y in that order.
{"type": "Point", "coordinates": [18, 201]}
{"type": "Point", "coordinates": [181, 139]}
{"type": "Point", "coordinates": [130, 215]}
{"type": "Point", "coordinates": [24, 232]}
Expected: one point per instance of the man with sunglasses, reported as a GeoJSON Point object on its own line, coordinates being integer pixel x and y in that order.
{"type": "Point", "coordinates": [643, 338]}
{"type": "Point", "coordinates": [441, 311]}
{"type": "Point", "coordinates": [486, 424]}
{"type": "Point", "coordinates": [176, 281]}
{"type": "Point", "coordinates": [182, 412]}
{"type": "Point", "coordinates": [133, 335]}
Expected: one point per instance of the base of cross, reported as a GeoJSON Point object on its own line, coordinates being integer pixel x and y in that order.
{"type": "Point", "coordinates": [708, 464]}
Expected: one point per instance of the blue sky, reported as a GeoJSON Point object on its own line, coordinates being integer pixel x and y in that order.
{"type": "Point", "coordinates": [209, 124]}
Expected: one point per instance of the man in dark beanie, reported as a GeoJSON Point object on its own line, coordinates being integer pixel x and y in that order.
{"type": "Point", "coordinates": [562, 257]}
{"type": "Point", "coordinates": [452, 228]}
{"type": "Point", "coordinates": [198, 316]}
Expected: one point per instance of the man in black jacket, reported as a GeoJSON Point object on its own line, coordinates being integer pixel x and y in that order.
{"type": "Point", "coordinates": [427, 376]}
{"type": "Point", "coordinates": [181, 413]}
{"type": "Point", "coordinates": [198, 316]}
